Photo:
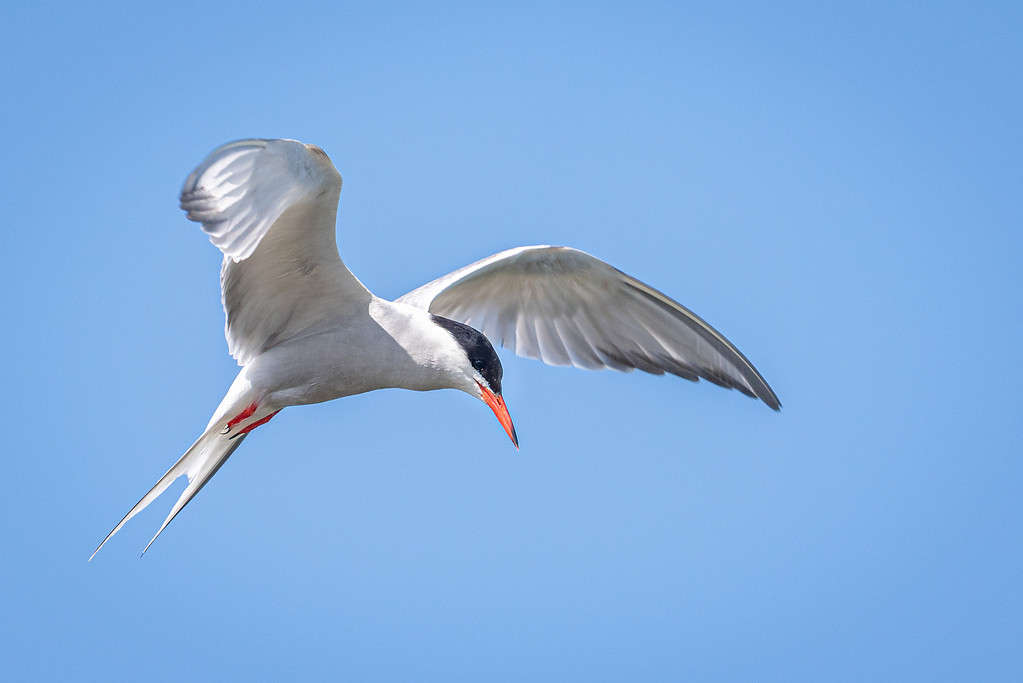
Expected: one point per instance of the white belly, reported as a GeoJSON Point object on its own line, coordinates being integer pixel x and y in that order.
{"type": "Point", "coordinates": [387, 345]}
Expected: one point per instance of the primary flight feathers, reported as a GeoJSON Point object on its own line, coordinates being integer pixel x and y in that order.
{"type": "Point", "coordinates": [565, 307]}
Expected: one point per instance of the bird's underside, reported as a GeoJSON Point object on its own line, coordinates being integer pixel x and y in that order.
{"type": "Point", "coordinates": [304, 329]}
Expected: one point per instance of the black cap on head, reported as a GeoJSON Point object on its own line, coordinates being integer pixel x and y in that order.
{"type": "Point", "coordinates": [479, 350]}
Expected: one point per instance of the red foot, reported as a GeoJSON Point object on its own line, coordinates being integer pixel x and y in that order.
{"type": "Point", "coordinates": [244, 415]}
{"type": "Point", "coordinates": [261, 421]}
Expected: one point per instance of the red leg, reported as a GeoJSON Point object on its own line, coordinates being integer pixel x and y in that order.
{"type": "Point", "coordinates": [261, 421]}
{"type": "Point", "coordinates": [245, 414]}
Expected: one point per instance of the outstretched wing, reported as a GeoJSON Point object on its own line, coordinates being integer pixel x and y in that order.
{"type": "Point", "coordinates": [565, 307]}
{"type": "Point", "coordinates": [271, 206]}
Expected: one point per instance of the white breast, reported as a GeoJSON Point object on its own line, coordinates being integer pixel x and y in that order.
{"type": "Point", "coordinates": [384, 345]}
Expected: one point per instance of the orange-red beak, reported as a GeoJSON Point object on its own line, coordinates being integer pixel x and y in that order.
{"type": "Point", "coordinates": [496, 403]}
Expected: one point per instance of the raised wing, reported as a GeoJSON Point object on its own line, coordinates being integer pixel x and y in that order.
{"type": "Point", "coordinates": [565, 307]}
{"type": "Point", "coordinates": [271, 206]}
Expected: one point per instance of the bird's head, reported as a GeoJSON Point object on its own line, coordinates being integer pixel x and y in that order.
{"type": "Point", "coordinates": [479, 370]}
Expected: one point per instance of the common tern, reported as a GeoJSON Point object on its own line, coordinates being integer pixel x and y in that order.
{"type": "Point", "coordinates": [304, 329]}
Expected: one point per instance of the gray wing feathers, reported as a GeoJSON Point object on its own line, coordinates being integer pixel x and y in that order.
{"type": "Point", "coordinates": [565, 307]}
{"type": "Point", "coordinates": [271, 207]}
{"type": "Point", "coordinates": [242, 187]}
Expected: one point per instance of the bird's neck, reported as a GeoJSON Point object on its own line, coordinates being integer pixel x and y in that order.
{"type": "Point", "coordinates": [428, 357]}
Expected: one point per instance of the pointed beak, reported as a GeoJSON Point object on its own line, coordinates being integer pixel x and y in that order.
{"type": "Point", "coordinates": [496, 403]}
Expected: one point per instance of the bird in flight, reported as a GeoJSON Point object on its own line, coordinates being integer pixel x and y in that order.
{"type": "Point", "coordinates": [304, 329]}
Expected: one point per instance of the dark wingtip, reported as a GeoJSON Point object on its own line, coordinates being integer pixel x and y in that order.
{"type": "Point", "coordinates": [771, 400]}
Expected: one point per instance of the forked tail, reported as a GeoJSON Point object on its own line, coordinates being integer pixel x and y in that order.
{"type": "Point", "coordinates": [199, 463]}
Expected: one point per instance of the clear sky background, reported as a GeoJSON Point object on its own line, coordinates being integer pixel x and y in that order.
{"type": "Point", "coordinates": [838, 191]}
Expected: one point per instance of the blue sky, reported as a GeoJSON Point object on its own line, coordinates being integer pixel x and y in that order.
{"type": "Point", "coordinates": [837, 190]}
